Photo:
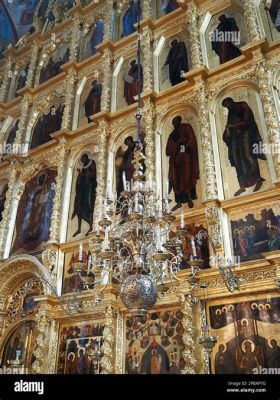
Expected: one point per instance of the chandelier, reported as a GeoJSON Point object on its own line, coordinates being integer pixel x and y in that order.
{"type": "Point", "coordinates": [133, 244]}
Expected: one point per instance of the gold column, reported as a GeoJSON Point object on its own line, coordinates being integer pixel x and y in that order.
{"type": "Point", "coordinates": [108, 20]}
{"type": "Point", "coordinates": [147, 9]}
{"type": "Point", "coordinates": [56, 214]}
{"type": "Point", "coordinates": [147, 37]}
{"type": "Point", "coordinates": [70, 86]}
{"type": "Point", "coordinates": [42, 341]}
{"type": "Point", "coordinates": [213, 215]}
{"type": "Point", "coordinates": [209, 171]}
{"type": "Point", "coordinates": [148, 122]}
{"type": "Point", "coordinates": [203, 322]}
{"type": "Point", "coordinates": [74, 38]}
{"type": "Point", "coordinates": [270, 114]}
{"type": "Point", "coordinates": [119, 343]}
{"type": "Point", "coordinates": [251, 20]}
{"type": "Point", "coordinates": [192, 19]}
{"type": "Point", "coordinates": [107, 362]}
{"type": "Point", "coordinates": [33, 64]}
{"type": "Point", "coordinates": [53, 344]}
{"type": "Point", "coordinates": [107, 80]}
{"type": "Point", "coordinates": [101, 170]}
{"type": "Point", "coordinates": [19, 139]}
{"type": "Point", "coordinates": [188, 335]}
{"type": "Point", "coordinates": [12, 175]}
{"type": "Point", "coordinates": [7, 79]}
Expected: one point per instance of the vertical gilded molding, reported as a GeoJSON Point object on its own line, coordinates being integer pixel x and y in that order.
{"type": "Point", "coordinates": [214, 225]}
{"type": "Point", "coordinates": [251, 20]}
{"type": "Point", "coordinates": [101, 171]}
{"type": "Point", "coordinates": [74, 38]}
{"type": "Point", "coordinates": [147, 37]}
{"type": "Point", "coordinates": [7, 79]}
{"type": "Point", "coordinates": [192, 20]}
{"type": "Point", "coordinates": [42, 341]}
{"type": "Point", "coordinates": [19, 139]}
{"type": "Point", "coordinates": [119, 343]}
{"type": "Point", "coordinates": [270, 114]}
{"type": "Point", "coordinates": [203, 322]}
{"type": "Point", "coordinates": [8, 205]}
{"type": "Point", "coordinates": [56, 214]}
{"type": "Point", "coordinates": [70, 86]}
{"type": "Point", "coordinates": [188, 336]}
{"type": "Point", "coordinates": [148, 123]}
{"type": "Point", "coordinates": [147, 9]}
{"type": "Point", "coordinates": [107, 362]}
{"type": "Point", "coordinates": [108, 20]}
{"type": "Point", "coordinates": [107, 80]}
{"type": "Point", "coordinates": [209, 171]}
{"type": "Point", "coordinates": [53, 347]}
{"type": "Point", "coordinates": [33, 64]}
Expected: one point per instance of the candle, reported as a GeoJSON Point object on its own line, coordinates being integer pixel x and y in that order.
{"type": "Point", "coordinates": [193, 247]}
{"type": "Point", "coordinates": [89, 262]}
{"type": "Point", "coordinates": [124, 180]}
{"type": "Point", "coordinates": [158, 238]}
{"type": "Point", "coordinates": [81, 252]}
{"type": "Point", "coordinates": [182, 223]}
{"type": "Point", "coordinates": [167, 188]}
{"type": "Point", "coordinates": [136, 203]}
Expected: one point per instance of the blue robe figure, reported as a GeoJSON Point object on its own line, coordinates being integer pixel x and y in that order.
{"type": "Point", "coordinates": [169, 5]}
{"type": "Point", "coordinates": [129, 19]}
{"type": "Point", "coordinates": [97, 36]}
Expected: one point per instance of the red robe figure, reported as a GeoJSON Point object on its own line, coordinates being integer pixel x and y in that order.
{"type": "Point", "coordinates": [93, 101]}
{"type": "Point", "coordinates": [183, 163]}
{"type": "Point", "coordinates": [131, 83]}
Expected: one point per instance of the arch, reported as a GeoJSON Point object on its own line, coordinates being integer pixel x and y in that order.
{"type": "Point", "coordinates": [172, 112]}
{"type": "Point", "coordinates": [241, 84]}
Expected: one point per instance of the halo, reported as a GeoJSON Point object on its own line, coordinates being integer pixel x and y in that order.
{"type": "Point", "coordinates": [245, 319]}
{"type": "Point", "coordinates": [86, 152]}
{"type": "Point", "coordinates": [231, 307]}
{"type": "Point", "coordinates": [261, 307]}
{"type": "Point", "coordinates": [267, 306]}
{"type": "Point", "coordinates": [250, 341]}
{"type": "Point", "coordinates": [70, 355]}
{"type": "Point", "coordinates": [269, 340]}
{"type": "Point", "coordinates": [218, 311]}
{"type": "Point", "coordinates": [254, 306]}
{"type": "Point", "coordinates": [224, 309]}
{"type": "Point", "coordinates": [173, 38]}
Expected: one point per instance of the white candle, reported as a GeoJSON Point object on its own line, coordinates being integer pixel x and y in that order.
{"type": "Point", "coordinates": [167, 188]}
{"type": "Point", "coordinates": [182, 222]}
{"type": "Point", "coordinates": [136, 203]}
{"type": "Point", "coordinates": [193, 247]}
{"type": "Point", "coordinates": [81, 252]}
{"type": "Point", "coordinates": [124, 180]}
{"type": "Point", "coordinates": [158, 238]}
{"type": "Point", "coordinates": [89, 263]}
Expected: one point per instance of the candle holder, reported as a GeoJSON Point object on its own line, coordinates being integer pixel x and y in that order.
{"type": "Point", "coordinates": [207, 341]}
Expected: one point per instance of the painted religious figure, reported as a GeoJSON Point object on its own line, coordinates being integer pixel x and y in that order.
{"type": "Point", "coordinates": [4, 189]}
{"type": "Point", "coordinates": [53, 67]}
{"type": "Point", "coordinates": [130, 18]}
{"type": "Point", "coordinates": [93, 101]}
{"type": "Point", "coordinates": [96, 37]}
{"type": "Point", "coordinates": [34, 212]}
{"type": "Point", "coordinates": [85, 193]}
{"type": "Point", "coordinates": [244, 143]}
{"type": "Point", "coordinates": [78, 344]}
{"type": "Point", "coordinates": [154, 344]}
{"type": "Point", "coordinates": [73, 278]}
{"type": "Point", "coordinates": [169, 5]}
{"type": "Point", "coordinates": [124, 163]}
{"type": "Point", "coordinates": [183, 163]}
{"type": "Point", "coordinates": [46, 125]}
{"type": "Point", "coordinates": [255, 233]}
{"type": "Point", "coordinates": [177, 62]}
{"type": "Point", "coordinates": [11, 138]}
{"type": "Point", "coordinates": [251, 329]}
{"type": "Point", "coordinates": [22, 78]}
{"type": "Point", "coordinates": [131, 82]}
{"type": "Point", "coordinates": [274, 13]}
{"type": "Point", "coordinates": [224, 39]}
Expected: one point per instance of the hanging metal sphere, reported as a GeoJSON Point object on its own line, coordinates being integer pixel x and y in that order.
{"type": "Point", "coordinates": [138, 293]}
